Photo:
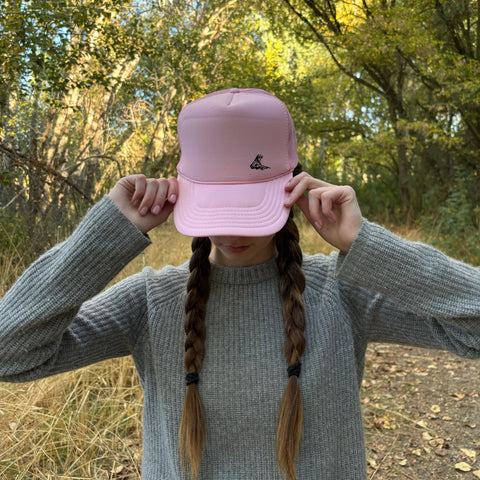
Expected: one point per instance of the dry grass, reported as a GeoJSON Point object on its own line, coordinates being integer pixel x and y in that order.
{"type": "Point", "coordinates": [87, 424]}
{"type": "Point", "coordinates": [84, 424]}
{"type": "Point", "coordinates": [80, 425]}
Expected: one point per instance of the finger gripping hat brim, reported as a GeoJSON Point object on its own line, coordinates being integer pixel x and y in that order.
{"type": "Point", "coordinates": [238, 152]}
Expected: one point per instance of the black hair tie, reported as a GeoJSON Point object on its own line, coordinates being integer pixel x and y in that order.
{"type": "Point", "coordinates": [191, 378]}
{"type": "Point", "coordinates": [294, 369]}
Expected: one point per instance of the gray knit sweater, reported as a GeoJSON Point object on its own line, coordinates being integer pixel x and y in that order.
{"type": "Point", "coordinates": [385, 289]}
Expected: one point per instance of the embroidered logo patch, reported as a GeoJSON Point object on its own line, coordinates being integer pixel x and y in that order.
{"type": "Point", "coordinates": [257, 163]}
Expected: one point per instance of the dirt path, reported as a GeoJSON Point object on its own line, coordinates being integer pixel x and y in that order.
{"type": "Point", "coordinates": [422, 414]}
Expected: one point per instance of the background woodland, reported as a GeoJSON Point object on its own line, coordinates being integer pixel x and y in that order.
{"type": "Point", "coordinates": [385, 96]}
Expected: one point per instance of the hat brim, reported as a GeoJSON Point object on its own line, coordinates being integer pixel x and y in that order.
{"type": "Point", "coordinates": [247, 210]}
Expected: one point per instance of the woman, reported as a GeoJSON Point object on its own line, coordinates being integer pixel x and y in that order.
{"type": "Point", "coordinates": [250, 356]}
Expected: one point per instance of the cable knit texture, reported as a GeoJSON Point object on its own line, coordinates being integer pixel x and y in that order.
{"type": "Point", "coordinates": [385, 289]}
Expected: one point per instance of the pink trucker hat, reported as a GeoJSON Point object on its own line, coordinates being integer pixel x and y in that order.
{"type": "Point", "coordinates": [238, 151]}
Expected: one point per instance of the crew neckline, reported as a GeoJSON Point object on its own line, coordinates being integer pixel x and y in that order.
{"type": "Point", "coordinates": [244, 275]}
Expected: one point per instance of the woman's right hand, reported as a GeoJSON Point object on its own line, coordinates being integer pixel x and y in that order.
{"type": "Point", "coordinates": [147, 202]}
{"type": "Point", "coordinates": [333, 210]}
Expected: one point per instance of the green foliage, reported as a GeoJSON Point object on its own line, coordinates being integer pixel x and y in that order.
{"type": "Point", "coordinates": [384, 95]}
{"type": "Point", "coordinates": [414, 89]}
{"type": "Point", "coordinates": [455, 225]}
{"type": "Point", "coordinates": [7, 177]}
{"type": "Point", "coordinates": [46, 41]}
{"type": "Point", "coordinates": [13, 240]}
{"type": "Point", "coordinates": [12, 232]}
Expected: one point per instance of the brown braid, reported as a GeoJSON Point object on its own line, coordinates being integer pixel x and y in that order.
{"type": "Point", "coordinates": [192, 427]}
{"type": "Point", "coordinates": [292, 284]}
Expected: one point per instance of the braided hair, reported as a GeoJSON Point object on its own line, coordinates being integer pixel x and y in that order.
{"type": "Point", "coordinates": [292, 284]}
{"type": "Point", "coordinates": [192, 426]}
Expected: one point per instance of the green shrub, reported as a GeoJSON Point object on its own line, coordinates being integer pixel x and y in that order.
{"type": "Point", "coordinates": [13, 242]}
{"type": "Point", "coordinates": [455, 225]}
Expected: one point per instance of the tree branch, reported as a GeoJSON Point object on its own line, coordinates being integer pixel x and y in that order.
{"type": "Point", "coordinates": [322, 40]}
{"type": "Point", "coordinates": [16, 156]}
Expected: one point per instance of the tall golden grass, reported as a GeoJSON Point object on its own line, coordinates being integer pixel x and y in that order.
{"type": "Point", "coordinates": [87, 424]}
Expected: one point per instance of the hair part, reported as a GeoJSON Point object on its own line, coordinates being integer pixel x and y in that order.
{"type": "Point", "coordinates": [191, 434]}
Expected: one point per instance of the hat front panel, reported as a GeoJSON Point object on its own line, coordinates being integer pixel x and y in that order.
{"type": "Point", "coordinates": [233, 138]}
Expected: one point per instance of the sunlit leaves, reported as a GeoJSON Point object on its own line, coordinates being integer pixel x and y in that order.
{"type": "Point", "coordinates": [416, 75]}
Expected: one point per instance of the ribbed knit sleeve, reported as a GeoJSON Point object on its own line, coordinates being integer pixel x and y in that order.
{"type": "Point", "coordinates": [41, 329]}
{"type": "Point", "coordinates": [415, 294]}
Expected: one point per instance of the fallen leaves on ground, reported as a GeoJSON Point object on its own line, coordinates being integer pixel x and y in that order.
{"type": "Point", "coordinates": [421, 411]}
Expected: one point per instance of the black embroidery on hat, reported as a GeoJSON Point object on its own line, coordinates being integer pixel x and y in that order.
{"type": "Point", "coordinates": [257, 164]}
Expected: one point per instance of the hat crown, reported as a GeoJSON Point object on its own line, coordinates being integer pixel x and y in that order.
{"type": "Point", "coordinates": [236, 136]}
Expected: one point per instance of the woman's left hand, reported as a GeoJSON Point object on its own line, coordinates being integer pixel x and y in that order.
{"type": "Point", "coordinates": [332, 210]}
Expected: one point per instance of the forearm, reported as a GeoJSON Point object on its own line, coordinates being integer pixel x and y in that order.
{"type": "Point", "coordinates": [37, 310]}
{"type": "Point", "coordinates": [425, 297]}
{"type": "Point", "coordinates": [421, 278]}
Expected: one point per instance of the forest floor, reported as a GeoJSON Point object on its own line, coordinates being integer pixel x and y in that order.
{"type": "Point", "coordinates": [421, 414]}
